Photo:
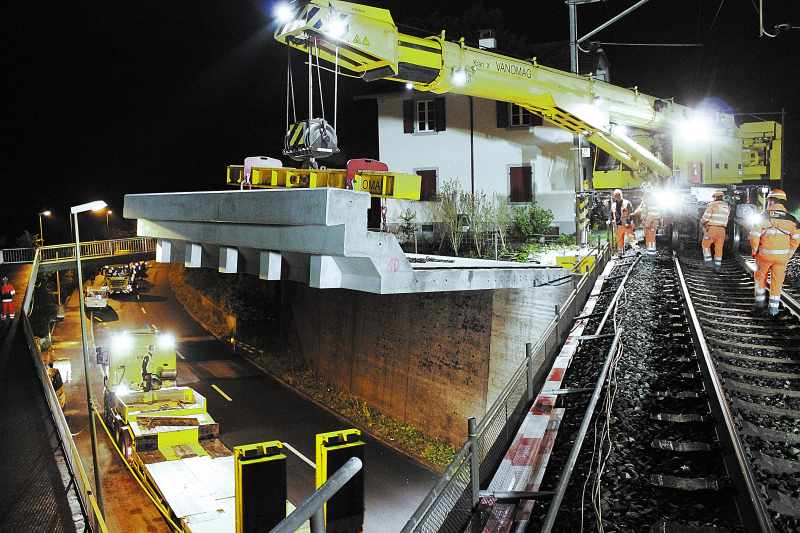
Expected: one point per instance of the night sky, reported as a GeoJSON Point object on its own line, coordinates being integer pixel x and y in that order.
{"type": "Point", "coordinates": [108, 98]}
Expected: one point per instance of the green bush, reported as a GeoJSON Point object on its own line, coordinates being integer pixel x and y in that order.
{"type": "Point", "coordinates": [532, 220]}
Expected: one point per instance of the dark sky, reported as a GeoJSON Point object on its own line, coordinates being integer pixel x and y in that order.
{"type": "Point", "coordinates": [108, 98]}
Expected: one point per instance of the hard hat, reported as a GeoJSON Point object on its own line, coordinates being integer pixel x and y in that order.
{"type": "Point", "coordinates": [617, 192]}
{"type": "Point", "coordinates": [777, 194]}
{"type": "Point", "coordinates": [718, 194]}
{"type": "Point", "coordinates": [5, 279]}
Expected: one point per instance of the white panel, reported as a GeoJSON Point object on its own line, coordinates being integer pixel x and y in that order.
{"type": "Point", "coordinates": [269, 266]}
{"type": "Point", "coordinates": [194, 255]}
{"type": "Point", "coordinates": [228, 260]}
{"type": "Point", "coordinates": [324, 273]}
{"type": "Point", "coordinates": [163, 251]}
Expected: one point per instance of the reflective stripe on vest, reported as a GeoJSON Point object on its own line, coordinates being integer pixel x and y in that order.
{"type": "Point", "coordinates": [773, 252]}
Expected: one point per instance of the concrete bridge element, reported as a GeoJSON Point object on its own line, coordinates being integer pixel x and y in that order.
{"type": "Point", "coordinates": [314, 236]}
{"type": "Point", "coordinates": [62, 256]}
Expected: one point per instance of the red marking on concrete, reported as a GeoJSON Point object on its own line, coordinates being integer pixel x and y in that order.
{"type": "Point", "coordinates": [557, 374]}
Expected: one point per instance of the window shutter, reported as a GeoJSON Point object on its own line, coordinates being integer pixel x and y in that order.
{"type": "Point", "coordinates": [408, 116]}
{"type": "Point", "coordinates": [521, 185]}
{"type": "Point", "coordinates": [441, 116]}
{"type": "Point", "coordinates": [427, 185]}
{"type": "Point", "coordinates": [502, 114]}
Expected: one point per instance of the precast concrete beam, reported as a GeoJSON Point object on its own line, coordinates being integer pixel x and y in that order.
{"type": "Point", "coordinates": [228, 260]}
{"type": "Point", "coordinates": [200, 256]}
{"type": "Point", "coordinates": [313, 236]}
{"type": "Point", "coordinates": [269, 266]}
{"type": "Point", "coordinates": [324, 273]}
{"type": "Point", "coordinates": [163, 251]}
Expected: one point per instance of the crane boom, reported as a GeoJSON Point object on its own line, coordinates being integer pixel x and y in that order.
{"type": "Point", "coordinates": [370, 44]}
{"type": "Point", "coordinates": [659, 139]}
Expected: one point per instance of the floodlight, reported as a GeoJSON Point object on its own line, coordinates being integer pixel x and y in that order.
{"type": "Point", "coordinates": [121, 343]}
{"type": "Point", "coordinates": [283, 12]}
{"type": "Point", "coordinates": [336, 27]}
{"type": "Point", "coordinates": [166, 341]}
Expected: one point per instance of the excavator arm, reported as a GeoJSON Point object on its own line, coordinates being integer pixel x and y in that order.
{"type": "Point", "coordinates": [365, 41]}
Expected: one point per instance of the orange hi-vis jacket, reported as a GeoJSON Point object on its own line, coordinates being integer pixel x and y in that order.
{"type": "Point", "coordinates": [777, 237]}
{"type": "Point", "coordinates": [7, 291]}
{"type": "Point", "coordinates": [716, 214]}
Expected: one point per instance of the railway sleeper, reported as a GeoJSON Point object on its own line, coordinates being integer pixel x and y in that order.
{"type": "Point", "coordinates": [680, 418]}
{"type": "Point", "coordinates": [681, 446]}
{"type": "Point", "coordinates": [685, 483]}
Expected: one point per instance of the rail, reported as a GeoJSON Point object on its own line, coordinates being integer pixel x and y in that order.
{"type": "Point", "coordinates": [751, 507]}
{"type": "Point", "coordinates": [89, 250]}
{"type": "Point", "coordinates": [80, 481]}
{"type": "Point", "coordinates": [450, 503]}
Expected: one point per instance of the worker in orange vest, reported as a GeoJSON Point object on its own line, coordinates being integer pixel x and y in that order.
{"type": "Point", "coordinates": [715, 221]}
{"type": "Point", "coordinates": [621, 217]}
{"type": "Point", "coordinates": [773, 241]}
{"type": "Point", "coordinates": [650, 213]}
{"type": "Point", "coordinates": [7, 293]}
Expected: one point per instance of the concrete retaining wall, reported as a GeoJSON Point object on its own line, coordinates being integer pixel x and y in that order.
{"type": "Point", "coordinates": [430, 360]}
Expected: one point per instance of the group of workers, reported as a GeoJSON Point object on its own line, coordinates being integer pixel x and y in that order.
{"type": "Point", "coordinates": [623, 217]}
{"type": "Point", "coordinates": [773, 238]}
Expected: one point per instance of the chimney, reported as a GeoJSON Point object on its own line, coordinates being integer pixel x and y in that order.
{"type": "Point", "coordinates": [486, 40]}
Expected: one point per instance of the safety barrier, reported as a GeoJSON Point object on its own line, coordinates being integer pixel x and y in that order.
{"type": "Point", "coordinates": [16, 255]}
{"type": "Point", "coordinates": [80, 481]}
{"type": "Point", "coordinates": [449, 505]}
{"type": "Point", "coordinates": [89, 250]}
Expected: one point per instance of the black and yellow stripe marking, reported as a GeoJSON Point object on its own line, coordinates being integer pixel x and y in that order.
{"type": "Point", "coordinates": [295, 135]}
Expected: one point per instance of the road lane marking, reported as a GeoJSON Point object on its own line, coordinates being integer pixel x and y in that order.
{"type": "Point", "coordinates": [222, 393]}
{"type": "Point", "coordinates": [305, 459]}
{"type": "Point", "coordinates": [180, 355]}
{"type": "Point", "coordinates": [143, 309]}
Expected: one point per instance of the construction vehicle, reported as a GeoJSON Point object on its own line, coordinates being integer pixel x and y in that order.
{"type": "Point", "coordinates": [165, 432]}
{"type": "Point", "coordinates": [122, 279]}
{"type": "Point", "coordinates": [649, 138]}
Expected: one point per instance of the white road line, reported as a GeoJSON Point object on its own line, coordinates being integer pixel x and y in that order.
{"type": "Point", "coordinates": [143, 309]}
{"type": "Point", "coordinates": [305, 459]}
{"type": "Point", "coordinates": [222, 393]}
{"type": "Point", "coordinates": [180, 355]}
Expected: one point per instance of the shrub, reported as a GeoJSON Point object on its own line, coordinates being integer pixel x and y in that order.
{"type": "Point", "coordinates": [532, 220]}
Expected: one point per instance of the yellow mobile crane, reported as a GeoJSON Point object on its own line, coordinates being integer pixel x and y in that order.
{"type": "Point", "coordinates": [650, 137]}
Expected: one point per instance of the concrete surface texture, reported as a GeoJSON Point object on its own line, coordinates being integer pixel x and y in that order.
{"type": "Point", "coordinates": [320, 234]}
{"type": "Point", "coordinates": [431, 360]}
{"type": "Point", "coordinates": [259, 409]}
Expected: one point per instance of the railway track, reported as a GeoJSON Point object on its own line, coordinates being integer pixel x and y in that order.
{"type": "Point", "coordinates": [757, 360]}
{"type": "Point", "coordinates": [698, 428]}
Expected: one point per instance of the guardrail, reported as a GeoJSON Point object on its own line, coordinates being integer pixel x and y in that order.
{"type": "Point", "coordinates": [89, 250]}
{"type": "Point", "coordinates": [80, 481]}
{"type": "Point", "coordinates": [449, 505]}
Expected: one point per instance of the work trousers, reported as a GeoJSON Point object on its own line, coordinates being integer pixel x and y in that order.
{"type": "Point", "coordinates": [774, 267]}
{"type": "Point", "coordinates": [713, 235]}
{"type": "Point", "coordinates": [8, 309]}
{"type": "Point", "coordinates": [622, 231]}
{"type": "Point", "coordinates": [650, 230]}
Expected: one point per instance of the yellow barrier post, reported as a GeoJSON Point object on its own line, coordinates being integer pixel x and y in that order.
{"type": "Point", "coordinates": [344, 513]}
{"type": "Point", "coordinates": [260, 471]}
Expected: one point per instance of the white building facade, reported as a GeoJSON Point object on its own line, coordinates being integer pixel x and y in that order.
{"type": "Point", "coordinates": [496, 148]}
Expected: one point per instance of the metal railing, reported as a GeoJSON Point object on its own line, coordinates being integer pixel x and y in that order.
{"type": "Point", "coordinates": [449, 505]}
{"type": "Point", "coordinates": [17, 255]}
{"type": "Point", "coordinates": [80, 481]}
{"type": "Point", "coordinates": [89, 250]}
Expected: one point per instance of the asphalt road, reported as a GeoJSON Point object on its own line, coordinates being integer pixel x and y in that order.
{"type": "Point", "coordinates": [251, 406]}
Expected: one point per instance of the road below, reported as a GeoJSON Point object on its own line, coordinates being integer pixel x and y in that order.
{"type": "Point", "coordinates": [251, 406]}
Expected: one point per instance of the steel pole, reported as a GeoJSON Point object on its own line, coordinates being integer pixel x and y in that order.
{"type": "Point", "coordinates": [89, 402]}
{"type": "Point", "coordinates": [314, 503]}
{"type": "Point", "coordinates": [580, 236]}
{"type": "Point", "coordinates": [41, 230]}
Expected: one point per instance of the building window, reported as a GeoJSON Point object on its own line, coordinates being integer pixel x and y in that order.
{"type": "Point", "coordinates": [427, 191]}
{"type": "Point", "coordinates": [424, 116]}
{"type": "Point", "coordinates": [520, 184]}
{"type": "Point", "coordinates": [520, 116]}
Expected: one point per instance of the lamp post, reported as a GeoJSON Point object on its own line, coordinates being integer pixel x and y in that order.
{"type": "Point", "coordinates": [109, 212]}
{"type": "Point", "coordinates": [75, 211]}
{"type": "Point", "coordinates": [45, 213]}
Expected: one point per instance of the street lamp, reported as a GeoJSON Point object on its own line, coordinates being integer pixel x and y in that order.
{"type": "Point", "coordinates": [45, 213]}
{"type": "Point", "coordinates": [75, 211]}
{"type": "Point", "coordinates": [109, 212]}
